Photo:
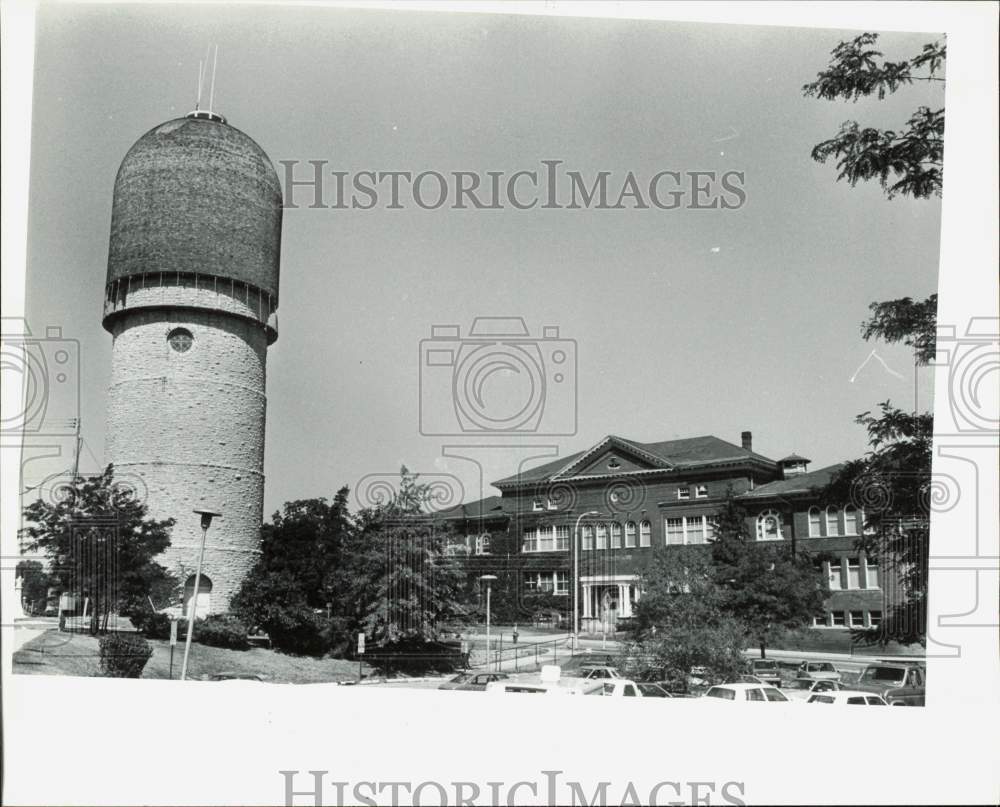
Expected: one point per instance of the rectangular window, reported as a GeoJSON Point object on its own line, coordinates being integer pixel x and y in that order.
{"type": "Point", "coordinates": [562, 582]}
{"type": "Point", "coordinates": [857, 619]}
{"type": "Point", "coordinates": [852, 521]}
{"type": "Point", "coordinates": [854, 573]}
{"type": "Point", "coordinates": [838, 619]}
{"type": "Point", "coordinates": [814, 521]}
{"type": "Point", "coordinates": [630, 534]}
{"type": "Point", "coordinates": [874, 618]}
{"type": "Point", "coordinates": [819, 621]}
{"type": "Point", "coordinates": [562, 537]}
{"type": "Point", "coordinates": [836, 584]}
{"type": "Point", "coordinates": [871, 573]}
{"type": "Point", "coordinates": [616, 535]}
{"type": "Point", "coordinates": [683, 493]}
{"type": "Point", "coordinates": [645, 531]}
{"type": "Point", "coordinates": [832, 521]}
{"type": "Point", "coordinates": [675, 531]}
{"type": "Point", "coordinates": [531, 581]}
{"type": "Point", "coordinates": [701, 492]}
{"type": "Point", "coordinates": [545, 536]}
{"type": "Point", "coordinates": [602, 536]}
{"type": "Point", "coordinates": [529, 542]}
{"type": "Point", "coordinates": [695, 530]}
{"type": "Point", "coordinates": [546, 581]}
{"type": "Point", "coordinates": [588, 536]}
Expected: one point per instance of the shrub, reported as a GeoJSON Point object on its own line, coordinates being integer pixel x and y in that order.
{"type": "Point", "coordinates": [221, 630]}
{"type": "Point", "coordinates": [124, 655]}
{"type": "Point", "coordinates": [298, 629]}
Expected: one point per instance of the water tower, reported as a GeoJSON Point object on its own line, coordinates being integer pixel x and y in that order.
{"type": "Point", "coordinates": [190, 302]}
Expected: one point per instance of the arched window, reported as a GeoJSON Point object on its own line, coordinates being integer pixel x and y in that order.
{"type": "Point", "coordinates": [852, 521]}
{"type": "Point", "coordinates": [602, 535]}
{"type": "Point", "coordinates": [588, 536]}
{"type": "Point", "coordinates": [645, 532]}
{"type": "Point", "coordinates": [814, 523]}
{"type": "Point", "coordinates": [203, 605]}
{"type": "Point", "coordinates": [616, 535]}
{"type": "Point", "coordinates": [832, 521]}
{"type": "Point", "coordinates": [769, 526]}
{"type": "Point", "coordinates": [630, 534]}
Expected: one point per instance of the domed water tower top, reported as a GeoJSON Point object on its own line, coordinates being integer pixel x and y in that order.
{"type": "Point", "coordinates": [195, 195]}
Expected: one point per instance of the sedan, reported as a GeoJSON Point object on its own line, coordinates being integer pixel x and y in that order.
{"type": "Point", "coordinates": [817, 671]}
{"type": "Point", "coordinates": [848, 697]}
{"type": "Point", "coordinates": [653, 691]}
{"type": "Point", "coordinates": [743, 693]}
{"type": "Point", "coordinates": [474, 682]}
{"type": "Point", "coordinates": [802, 689]}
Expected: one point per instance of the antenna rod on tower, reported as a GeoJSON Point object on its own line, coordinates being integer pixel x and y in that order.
{"type": "Point", "coordinates": [211, 95]}
{"type": "Point", "coordinates": [201, 67]}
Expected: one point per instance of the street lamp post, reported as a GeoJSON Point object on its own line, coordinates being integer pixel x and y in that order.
{"type": "Point", "coordinates": [489, 578]}
{"type": "Point", "coordinates": [576, 575]}
{"type": "Point", "coordinates": [206, 522]}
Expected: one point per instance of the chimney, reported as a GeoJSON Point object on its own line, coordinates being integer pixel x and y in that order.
{"type": "Point", "coordinates": [746, 438]}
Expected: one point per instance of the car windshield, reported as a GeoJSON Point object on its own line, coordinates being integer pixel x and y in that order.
{"type": "Point", "coordinates": [765, 665]}
{"type": "Point", "coordinates": [721, 692]}
{"type": "Point", "coordinates": [823, 667]}
{"type": "Point", "coordinates": [773, 695]}
{"type": "Point", "coordinates": [821, 699]}
{"type": "Point", "coordinates": [461, 678]}
{"type": "Point", "coordinates": [891, 675]}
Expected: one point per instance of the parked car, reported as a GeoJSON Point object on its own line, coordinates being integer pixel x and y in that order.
{"type": "Point", "coordinates": [590, 672]}
{"type": "Point", "coordinates": [747, 679]}
{"type": "Point", "coordinates": [478, 681]}
{"type": "Point", "coordinates": [817, 671]}
{"type": "Point", "coordinates": [456, 681]}
{"type": "Point", "coordinates": [742, 693]}
{"type": "Point", "coordinates": [802, 689]}
{"type": "Point", "coordinates": [899, 683]}
{"type": "Point", "coordinates": [548, 681]}
{"type": "Point", "coordinates": [843, 697]}
{"type": "Point", "coordinates": [767, 670]}
{"type": "Point", "coordinates": [618, 688]}
{"type": "Point", "coordinates": [653, 691]}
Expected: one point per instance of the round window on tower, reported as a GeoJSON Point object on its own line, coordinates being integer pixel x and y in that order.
{"type": "Point", "coordinates": [180, 339]}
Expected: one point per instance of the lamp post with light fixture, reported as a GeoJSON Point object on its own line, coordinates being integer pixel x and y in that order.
{"type": "Point", "coordinates": [576, 576]}
{"type": "Point", "coordinates": [206, 522]}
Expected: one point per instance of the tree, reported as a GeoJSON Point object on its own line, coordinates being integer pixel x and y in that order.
{"type": "Point", "coordinates": [906, 162]}
{"type": "Point", "coordinates": [402, 583]}
{"type": "Point", "coordinates": [903, 320]}
{"type": "Point", "coordinates": [101, 546]}
{"type": "Point", "coordinates": [290, 591]}
{"type": "Point", "coordinates": [766, 588]}
{"type": "Point", "coordinates": [35, 582]}
{"type": "Point", "coordinates": [892, 485]}
{"type": "Point", "coordinates": [681, 623]}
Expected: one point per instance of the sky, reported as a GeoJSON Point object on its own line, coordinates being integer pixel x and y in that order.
{"type": "Point", "coordinates": [683, 322]}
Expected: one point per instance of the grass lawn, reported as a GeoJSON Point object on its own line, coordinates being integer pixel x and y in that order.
{"type": "Point", "coordinates": [55, 653]}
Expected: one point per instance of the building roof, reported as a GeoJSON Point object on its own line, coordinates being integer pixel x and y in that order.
{"type": "Point", "coordinates": [800, 483]}
{"type": "Point", "coordinates": [794, 458]}
{"type": "Point", "coordinates": [490, 507]}
{"type": "Point", "coordinates": [197, 196]}
{"type": "Point", "coordinates": [668, 454]}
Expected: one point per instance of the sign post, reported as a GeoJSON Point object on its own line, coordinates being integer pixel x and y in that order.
{"type": "Point", "coordinates": [173, 644]}
{"type": "Point", "coordinates": [361, 652]}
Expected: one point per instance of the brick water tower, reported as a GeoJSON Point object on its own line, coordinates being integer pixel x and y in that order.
{"type": "Point", "coordinates": [190, 302]}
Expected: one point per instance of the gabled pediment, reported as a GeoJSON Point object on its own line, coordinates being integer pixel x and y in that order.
{"type": "Point", "coordinates": [610, 457]}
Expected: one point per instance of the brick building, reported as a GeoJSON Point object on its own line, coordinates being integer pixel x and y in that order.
{"type": "Point", "coordinates": [629, 498]}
